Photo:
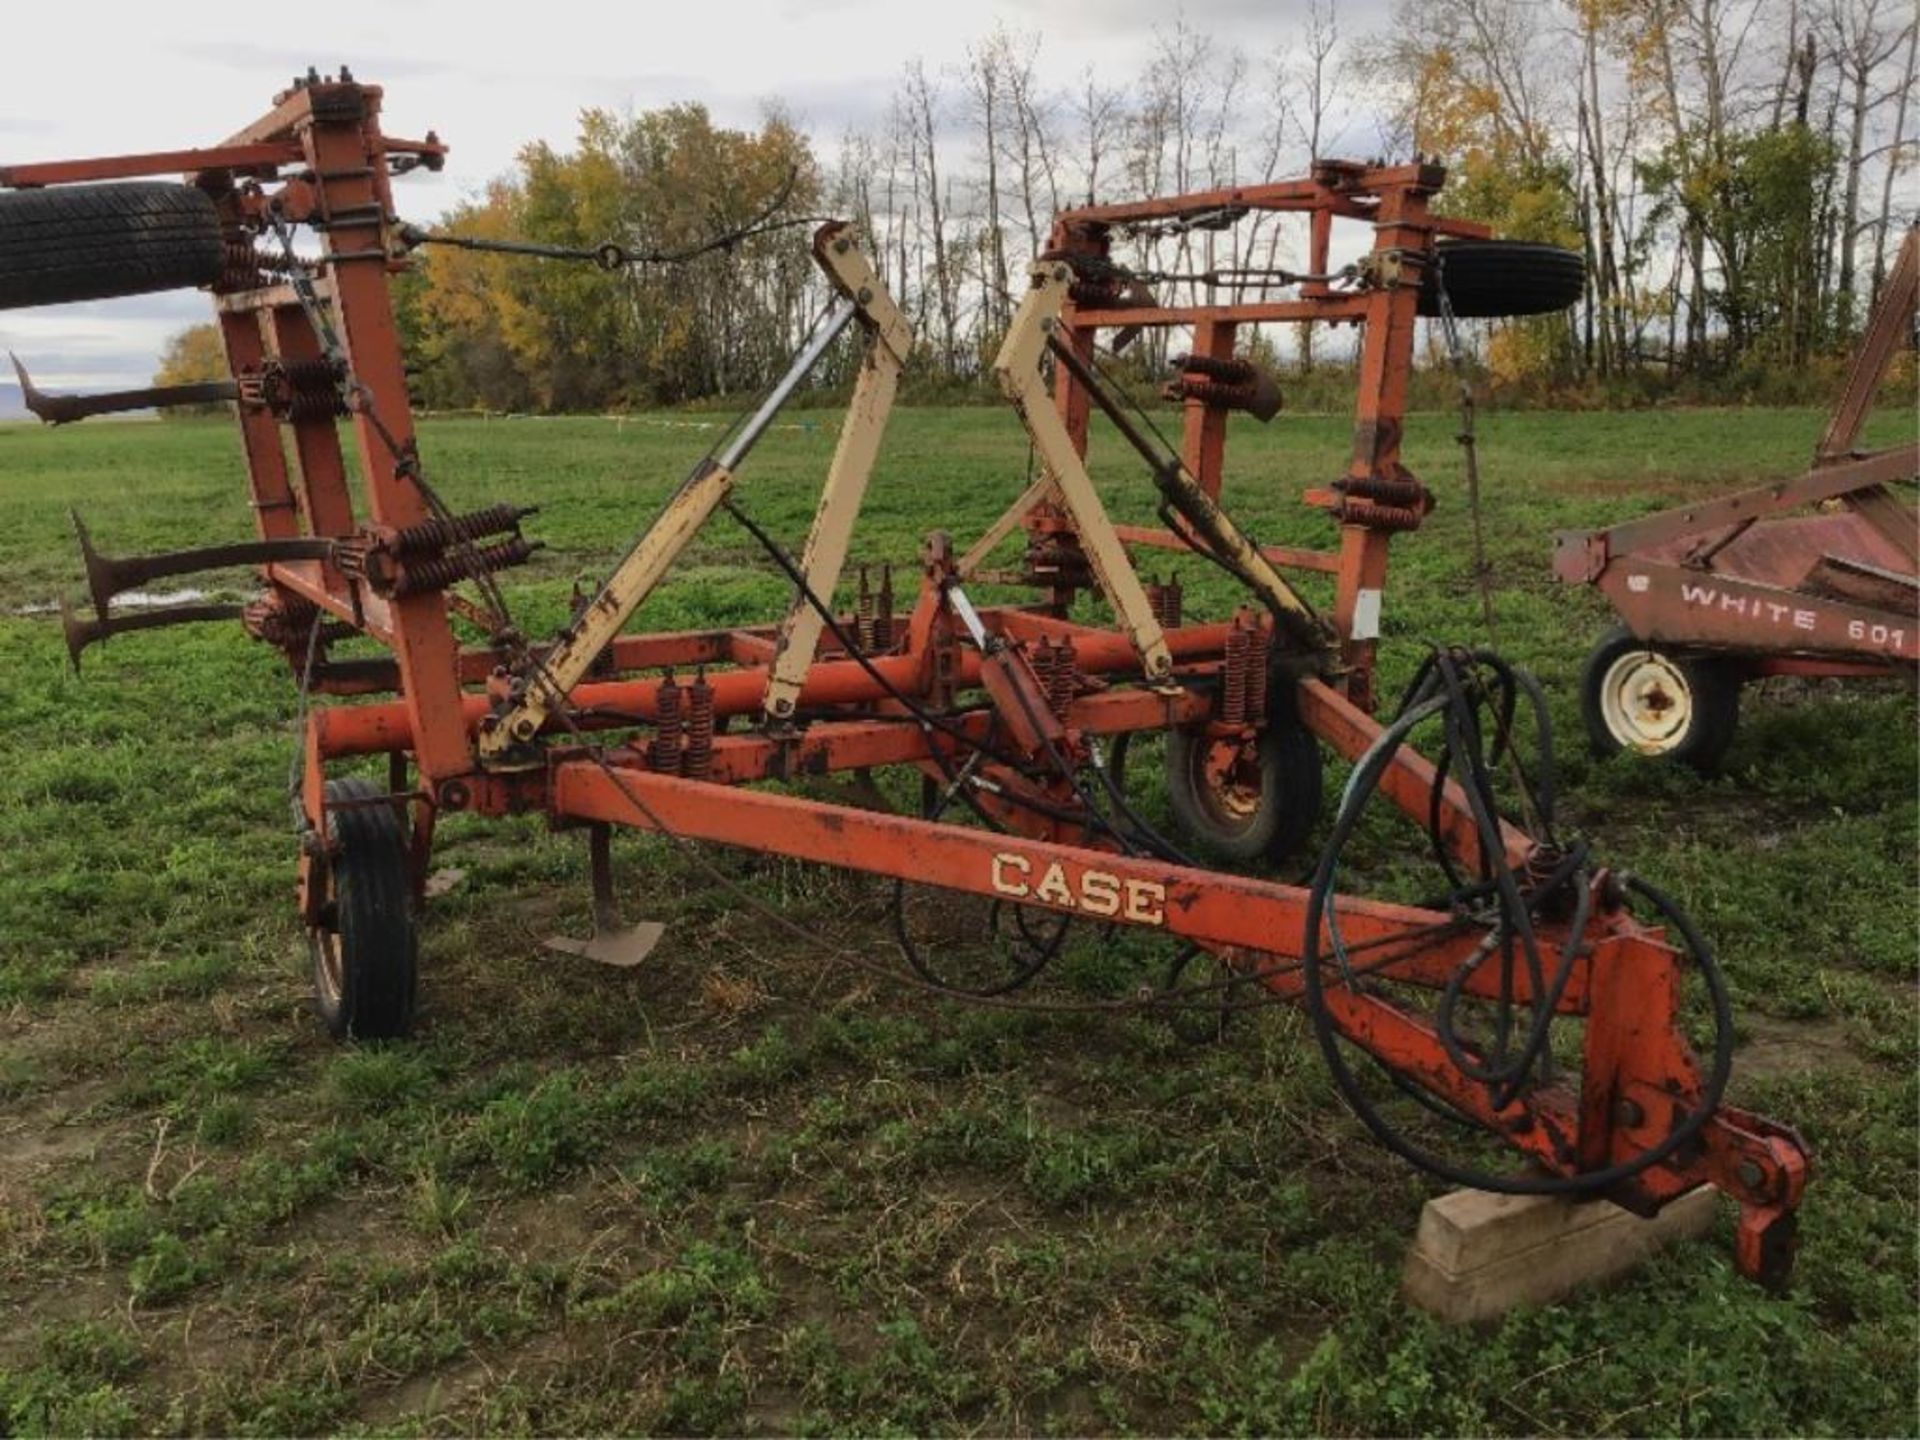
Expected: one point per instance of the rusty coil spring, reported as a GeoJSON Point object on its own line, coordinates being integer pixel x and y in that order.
{"type": "Point", "coordinates": [1260, 646]}
{"type": "Point", "coordinates": [1064, 683]}
{"type": "Point", "coordinates": [696, 758]}
{"type": "Point", "coordinates": [1405, 494]}
{"type": "Point", "coordinates": [1233, 678]}
{"type": "Point", "coordinates": [1229, 396]}
{"type": "Point", "coordinates": [1164, 599]}
{"type": "Point", "coordinates": [863, 615]}
{"type": "Point", "coordinates": [439, 533]}
{"type": "Point", "coordinates": [1105, 294]}
{"type": "Point", "coordinates": [1229, 371]}
{"type": "Point", "coordinates": [1378, 517]}
{"type": "Point", "coordinates": [669, 729]}
{"type": "Point", "coordinates": [1041, 659]}
{"type": "Point", "coordinates": [245, 267]}
{"type": "Point", "coordinates": [436, 572]}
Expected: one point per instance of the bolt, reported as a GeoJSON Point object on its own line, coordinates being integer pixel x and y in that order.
{"type": "Point", "coordinates": [1629, 1114]}
{"type": "Point", "coordinates": [865, 297]}
{"type": "Point", "coordinates": [1750, 1174]}
{"type": "Point", "coordinates": [524, 727]}
{"type": "Point", "coordinates": [1060, 272]}
{"type": "Point", "coordinates": [454, 795]}
{"type": "Point", "coordinates": [842, 245]}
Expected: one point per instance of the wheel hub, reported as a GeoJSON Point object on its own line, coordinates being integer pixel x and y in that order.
{"type": "Point", "coordinates": [1646, 702]}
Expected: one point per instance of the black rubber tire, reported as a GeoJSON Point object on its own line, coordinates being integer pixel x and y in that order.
{"type": "Point", "coordinates": [1714, 686]}
{"type": "Point", "coordinates": [1288, 805]}
{"type": "Point", "coordinates": [1492, 279]}
{"type": "Point", "coordinates": [93, 242]}
{"type": "Point", "coordinates": [372, 929]}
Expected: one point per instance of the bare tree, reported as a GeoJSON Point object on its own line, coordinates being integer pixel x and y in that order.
{"type": "Point", "coordinates": [986, 93]}
{"type": "Point", "coordinates": [923, 103]}
{"type": "Point", "coordinates": [1102, 118]}
{"type": "Point", "coordinates": [1896, 153]}
{"type": "Point", "coordinates": [1862, 43]}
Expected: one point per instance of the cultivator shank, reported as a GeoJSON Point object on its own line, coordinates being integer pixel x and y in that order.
{"type": "Point", "coordinates": [1006, 713]}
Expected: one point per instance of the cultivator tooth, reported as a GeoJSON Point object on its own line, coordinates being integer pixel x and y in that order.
{"type": "Point", "coordinates": [66, 409]}
{"type": "Point", "coordinates": [81, 633]}
{"type": "Point", "coordinates": [110, 575]}
{"type": "Point", "coordinates": [612, 943]}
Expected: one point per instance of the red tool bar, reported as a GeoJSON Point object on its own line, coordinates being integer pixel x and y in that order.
{"type": "Point", "coordinates": [1408, 779]}
{"type": "Point", "coordinates": [1290, 556]}
{"type": "Point", "coordinates": [260, 155]}
{"type": "Point", "coordinates": [1339, 307]}
{"type": "Point", "coordinates": [1216, 909]}
{"type": "Point", "coordinates": [374, 729]}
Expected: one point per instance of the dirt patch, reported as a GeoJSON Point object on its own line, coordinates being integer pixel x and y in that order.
{"type": "Point", "coordinates": [1794, 1047]}
{"type": "Point", "coordinates": [49, 1131]}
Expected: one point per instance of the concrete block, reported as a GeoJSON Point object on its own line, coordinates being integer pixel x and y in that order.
{"type": "Point", "coordinates": [1476, 1255]}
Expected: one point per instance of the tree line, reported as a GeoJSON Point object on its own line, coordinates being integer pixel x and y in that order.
{"type": "Point", "coordinates": [1738, 174]}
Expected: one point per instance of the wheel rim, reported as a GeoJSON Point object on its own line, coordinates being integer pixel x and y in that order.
{"type": "Point", "coordinates": [1646, 702]}
{"type": "Point", "coordinates": [323, 943]}
{"type": "Point", "coordinates": [1226, 780]}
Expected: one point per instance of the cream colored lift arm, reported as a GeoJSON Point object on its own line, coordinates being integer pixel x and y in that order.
{"type": "Point", "coordinates": [545, 687]}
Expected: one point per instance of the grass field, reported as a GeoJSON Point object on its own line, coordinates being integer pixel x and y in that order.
{"type": "Point", "coordinates": [745, 1189]}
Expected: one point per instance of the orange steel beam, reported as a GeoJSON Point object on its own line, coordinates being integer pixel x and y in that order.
{"type": "Point", "coordinates": [1291, 556]}
{"type": "Point", "coordinates": [1222, 910]}
{"type": "Point", "coordinates": [257, 155]}
{"type": "Point", "coordinates": [372, 729]}
{"type": "Point", "coordinates": [1337, 307]}
{"type": "Point", "coordinates": [1408, 778]}
{"type": "Point", "coordinates": [1258, 926]}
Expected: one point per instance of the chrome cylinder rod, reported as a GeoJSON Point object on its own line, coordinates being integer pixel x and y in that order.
{"type": "Point", "coordinates": [750, 433]}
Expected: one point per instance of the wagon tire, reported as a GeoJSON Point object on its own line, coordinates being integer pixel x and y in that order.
{"type": "Point", "coordinates": [365, 951]}
{"type": "Point", "coordinates": [1658, 702]}
{"type": "Point", "coordinates": [94, 242]}
{"type": "Point", "coordinates": [1495, 279]}
{"type": "Point", "coordinates": [1266, 806]}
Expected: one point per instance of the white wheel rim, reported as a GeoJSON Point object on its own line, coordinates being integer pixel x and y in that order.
{"type": "Point", "coordinates": [1646, 702]}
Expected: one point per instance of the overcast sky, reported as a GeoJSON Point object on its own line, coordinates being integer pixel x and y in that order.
{"type": "Point", "coordinates": [102, 77]}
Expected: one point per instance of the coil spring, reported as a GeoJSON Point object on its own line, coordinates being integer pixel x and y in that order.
{"type": "Point", "coordinates": [1391, 518]}
{"type": "Point", "coordinates": [1388, 490]}
{"type": "Point", "coordinates": [696, 758]}
{"type": "Point", "coordinates": [863, 616]}
{"type": "Point", "coordinates": [436, 572]}
{"type": "Point", "coordinates": [1211, 392]}
{"type": "Point", "coordinates": [1043, 662]}
{"type": "Point", "coordinates": [1165, 600]}
{"type": "Point", "coordinates": [312, 390]}
{"type": "Point", "coordinates": [1233, 371]}
{"type": "Point", "coordinates": [1233, 680]}
{"type": "Point", "coordinates": [883, 622]}
{"type": "Point", "coordinates": [438, 534]}
{"type": "Point", "coordinates": [1064, 682]}
{"type": "Point", "coordinates": [1260, 647]}
{"type": "Point", "coordinates": [240, 268]}
{"type": "Point", "coordinates": [670, 729]}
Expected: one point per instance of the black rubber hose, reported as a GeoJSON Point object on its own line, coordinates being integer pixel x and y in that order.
{"type": "Point", "coordinates": [1363, 782]}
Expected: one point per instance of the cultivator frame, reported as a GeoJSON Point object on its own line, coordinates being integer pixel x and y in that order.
{"type": "Point", "coordinates": [581, 731]}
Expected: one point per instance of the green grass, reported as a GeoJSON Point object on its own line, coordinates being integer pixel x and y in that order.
{"type": "Point", "coordinates": [787, 1199]}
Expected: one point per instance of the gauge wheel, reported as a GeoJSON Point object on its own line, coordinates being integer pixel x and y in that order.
{"type": "Point", "coordinates": [364, 950]}
{"type": "Point", "coordinates": [1491, 279]}
{"type": "Point", "coordinates": [1251, 800]}
{"type": "Point", "coordinates": [1638, 697]}
{"type": "Point", "coordinates": [93, 242]}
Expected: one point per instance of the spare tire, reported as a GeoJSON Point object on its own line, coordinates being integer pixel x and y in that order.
{"type": "Point", "coordinates": [1489, 279]}
{"type": "Point", "coordinates": [92, 242]}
